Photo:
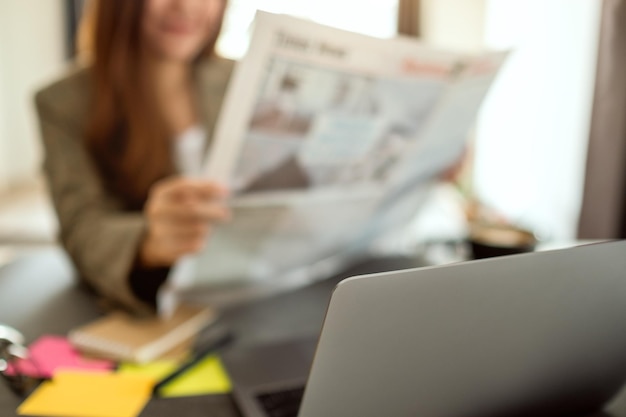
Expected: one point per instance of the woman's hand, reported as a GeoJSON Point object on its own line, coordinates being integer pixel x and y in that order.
{"type": "Point", "coordinates": [181, 213]}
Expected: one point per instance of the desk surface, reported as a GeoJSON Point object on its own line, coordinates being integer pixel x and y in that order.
{"type": "Point", "coordinates": [39, 295]}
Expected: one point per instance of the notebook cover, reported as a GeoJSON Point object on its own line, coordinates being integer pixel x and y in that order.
{"type": "Point", "coordinates": [121, 336]}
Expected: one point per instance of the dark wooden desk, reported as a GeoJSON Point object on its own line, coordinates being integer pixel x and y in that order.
{"type": "Point", "coordinates": [38, 295]}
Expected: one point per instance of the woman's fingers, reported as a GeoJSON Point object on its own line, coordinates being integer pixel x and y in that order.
{"type": "Point", "coordinates": [182, 188]}
{"type": "Point", "coordinates": [182, 232]}
{"type": "Point", "coordinates": [180, 213]}
{"type": "Point", "coordinates": [209, 190]}
{"type": "Point", "coordinates": [190, 213]}
{"type": "Point", "coordinates": [172, 246]}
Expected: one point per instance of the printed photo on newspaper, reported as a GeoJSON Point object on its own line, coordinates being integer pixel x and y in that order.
{"type": "Point", "coordinates": [328, 139]}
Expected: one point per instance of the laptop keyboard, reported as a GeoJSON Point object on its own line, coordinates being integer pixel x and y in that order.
{"type": "Point", "coordinates": [282, 403]}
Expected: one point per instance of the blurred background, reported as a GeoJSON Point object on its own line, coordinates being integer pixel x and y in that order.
{"type": "Point", "coordinates": [531, 144]}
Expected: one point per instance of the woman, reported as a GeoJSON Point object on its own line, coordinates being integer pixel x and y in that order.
{"type": "Point", "coordinates": [119, 133]}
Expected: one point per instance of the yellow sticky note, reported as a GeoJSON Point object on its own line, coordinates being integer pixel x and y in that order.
{"type": "Point", "coordinates": [207, 377]}
{"type": "Point", "coordinates": [156, 370]}
{"type": "Point", "coordinates": [84, 394]}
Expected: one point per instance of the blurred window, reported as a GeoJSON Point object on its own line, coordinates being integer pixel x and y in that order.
{"type": "Point", "coordinates": [534, 127]}
{"type": "Point", "coordinates": [371, 17]}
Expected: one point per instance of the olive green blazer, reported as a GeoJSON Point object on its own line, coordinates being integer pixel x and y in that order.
{"type": "Point", "coordinates": [101, 238]}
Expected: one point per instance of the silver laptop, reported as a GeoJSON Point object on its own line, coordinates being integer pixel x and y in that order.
{"type": "Point", "coordinates": [540, 334]}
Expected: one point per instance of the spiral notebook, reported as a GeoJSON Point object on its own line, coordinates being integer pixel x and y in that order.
{"type": "Point", "coordinates": [122, 337]}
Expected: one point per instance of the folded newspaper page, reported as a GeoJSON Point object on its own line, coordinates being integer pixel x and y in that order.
{"type": "Point", "coordinates": [328, 138]}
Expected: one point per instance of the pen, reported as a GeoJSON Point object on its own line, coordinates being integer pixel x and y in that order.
{"type": "Point", "coordinates": [214, 343]}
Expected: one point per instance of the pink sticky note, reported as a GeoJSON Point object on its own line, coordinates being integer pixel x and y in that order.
{"type": "Point", "coordinates": [49, 353]}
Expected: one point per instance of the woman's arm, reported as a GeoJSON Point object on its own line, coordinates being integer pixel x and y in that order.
{"type": "Point", "coordinates": [100, 237]}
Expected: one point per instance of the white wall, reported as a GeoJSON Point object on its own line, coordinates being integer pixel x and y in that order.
{"type": "Point", "coordinates": [3, 110]}
{"type": "Point", "coordinates": [372, 17]}
{"type": "Point", "coordinates": [31, 52]}
{"type": "Point", "coordinates": [454, 24]}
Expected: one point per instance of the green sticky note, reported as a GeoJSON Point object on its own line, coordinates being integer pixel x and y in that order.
{"type": "Point", "coordinates": [207, 377]}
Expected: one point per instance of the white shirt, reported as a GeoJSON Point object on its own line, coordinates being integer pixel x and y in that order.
{"type": "Point", "coordinates": [189, 149]}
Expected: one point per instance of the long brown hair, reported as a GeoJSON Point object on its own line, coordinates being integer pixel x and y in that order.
{"type": "Point", "coordinates": [126, 134]}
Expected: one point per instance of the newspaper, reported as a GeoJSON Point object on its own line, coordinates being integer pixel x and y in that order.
{"type": "Point", "coordinates": [329, 138]}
